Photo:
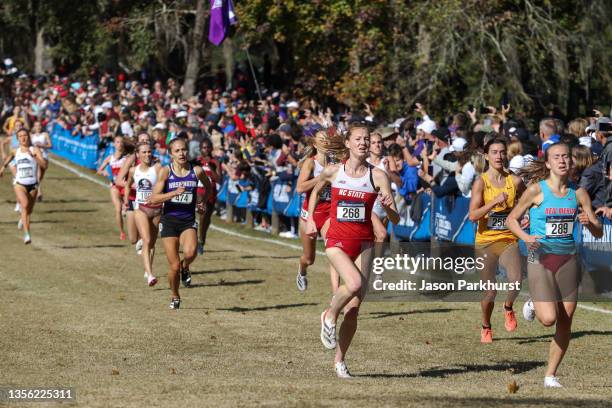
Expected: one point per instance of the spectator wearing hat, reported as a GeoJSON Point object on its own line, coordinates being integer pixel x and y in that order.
{"type": "Point", "coordinates": [444, 164]}
{"type": "Point", "coordinates": [604, 136]}
{"type": "Point", "coordinates": [441, 149]}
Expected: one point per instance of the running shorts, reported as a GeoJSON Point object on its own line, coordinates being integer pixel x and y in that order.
{"type": "Point", "coordinates": [173, 227]}
{"type": "Point", "coordinates": [28, 187]}
{"type": "Point", "coordinates": [496, 247]}
{"type": "Point", "coordinates": [320, 217]}
{"type": "Point", "coordinates": [150, 212]}
{"type": "Point", "coordinates": [351, 247]}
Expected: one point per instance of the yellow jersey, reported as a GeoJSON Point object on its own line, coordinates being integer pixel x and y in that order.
{"type": "Point", "coordinates": [492, 227]}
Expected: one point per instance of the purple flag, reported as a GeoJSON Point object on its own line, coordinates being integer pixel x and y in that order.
{"type": "Point", "coordinates": [222, 15]}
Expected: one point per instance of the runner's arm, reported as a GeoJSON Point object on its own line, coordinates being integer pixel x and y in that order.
{"type": "Point", "coordinates": [215, 173]}
{"type": "Point", "coordinates": [304, 182]}
{"type": "Point", "coordinates": [42, 163]}
{"type": "Point", "coordinates": [8, 159]}
{"type": "Point", "coordinates": [158, 197]}
{"type": "Point", "coordinates": [102, 167]}
{"type": "Point", "coordinates": [587, 217]}
{"type": "Point", "coordinates": [48, 143]}
{"type": "Point", "coordinates": [129, 181]}
{"type": "Point", "coordinates": [201, 175]}
{"type": "Point", "coordinates": [129, 161]}
{"type": "Point", "coordinates": [325, 178]}
{"type": "Point", "coordinates": [525, 202]}
{"type": "Point", "coordinates": [477, 208]}
{"type": "Point", "coordinates": [382, 183]}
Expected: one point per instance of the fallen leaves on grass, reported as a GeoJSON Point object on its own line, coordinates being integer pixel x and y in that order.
{"type": "Point", "coordinates": [512, 387]}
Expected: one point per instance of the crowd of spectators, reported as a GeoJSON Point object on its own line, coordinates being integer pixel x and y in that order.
{"type": "Point", "coordinates": [261, 140]}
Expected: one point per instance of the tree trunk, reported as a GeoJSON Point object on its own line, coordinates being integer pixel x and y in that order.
{"type": "Point", "coordinates": [39, 53]}
{"type": "Point", "coordinates": [228, 57]}
{"type": "Point", "coordinates": [195, 54]}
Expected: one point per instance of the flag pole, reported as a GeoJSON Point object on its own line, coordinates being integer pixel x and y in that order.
{"type": "Point", "coordinates": [253, 73]}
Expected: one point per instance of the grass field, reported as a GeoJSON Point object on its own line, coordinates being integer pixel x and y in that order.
{"type": "Point", "coordinates": [76, 312]}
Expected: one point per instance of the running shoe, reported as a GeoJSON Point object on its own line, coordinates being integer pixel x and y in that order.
{"type": "Point", "coordinates": [151, 280]}
{"type": "Point", "coordinates": [552, 382]}
{"type": "Point", "coordinates": [486, 335]}
{"type": "Point", "coordinates": [19, 224]}
{"type": "Point", "coordinates": [301, 280]}
{"type": "Point", "coordinates": [342, 371]}
{"type": "Point", "coordinates": [529, 311]}
{"type": "Point", "coordinates": [185, 276]}
{"type": "Point", "coordinates": [328, 333]}
{"type": "Point", "coordinates": [122, 236]}
{"type": "Point", "coordinates": [200, 248]}
{"type": "Point", "coordinates": [510, 320]}
{"type": "Point", "coordinates": [175, 304]}
{"type": "Point", "coordinates": [27, 239]}
{"type": "Point", "coordinates": [139, 247]}
{"type": "Point", "coordinates": [17, 208]}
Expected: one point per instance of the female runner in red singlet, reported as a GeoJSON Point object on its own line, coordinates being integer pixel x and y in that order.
{"type": "Point", "coordinates": [328, 148]}
{"type": "Point", "coordinates": [355, 186]}
{"type": "Point", "coordinates": [205, 209]}
{"type": "Point", "coordinates": [115, 161]}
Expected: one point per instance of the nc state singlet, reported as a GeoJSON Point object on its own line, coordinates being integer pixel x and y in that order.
{"type": "Point", "coordinates": [352, 200]}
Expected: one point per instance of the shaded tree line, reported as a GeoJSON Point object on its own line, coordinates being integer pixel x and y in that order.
{"type": "Point", "coordinates": [388, 53]}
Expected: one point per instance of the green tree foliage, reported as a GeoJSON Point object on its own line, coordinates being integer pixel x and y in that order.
{"type": "Point", "coordinates": [445, 53]}
{"type": "Point", "coordinates": [389, 53]}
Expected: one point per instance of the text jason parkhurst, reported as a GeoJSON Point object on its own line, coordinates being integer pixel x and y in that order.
{"type": "Point", "coordinates": [406, 285]}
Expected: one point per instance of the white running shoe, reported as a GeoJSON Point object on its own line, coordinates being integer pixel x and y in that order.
{"type": "Point", "coordinates": [552, 382]}
{"type": "Point", "coordinates": [328, 333]}
{"type": "Point", "coordinates": [342, 371]}
{"type": "Point", "coordinates": [139, 247]}
{"type": "Point", "coordinates": [529, 311]}
{"type": "Point", "coordinates": [17, 208]}
{"type": "Point", "coordinates": [27, 239]}
{"type": "Point", "coordinates": [19, 224]}
{"type": "Point", "coordinates": [301, 280]}
{"type": "Point", "coordinates": [151, 280]}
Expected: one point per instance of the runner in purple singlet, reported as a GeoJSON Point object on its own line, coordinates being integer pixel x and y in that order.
{"type": "Point", "coordinates": [176, 187]}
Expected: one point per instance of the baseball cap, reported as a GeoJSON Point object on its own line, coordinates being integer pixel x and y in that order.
{"type": "Point", "coordinates": [428, 126]}
{"type": "Point", "coordinates": [293, 105]}
{"type": "Point", "coordinates": [107, 105]}
{"type": "Point", "coordinates": [458, 145]}
{"type": "Point", "coordinates": [441, 133]}
{"type": "Point", "coordinates": [181, 114]}
{"type": "Point", "coordinates": [518, 133]}
{"type": "Point", "coordinates": [386, 132]}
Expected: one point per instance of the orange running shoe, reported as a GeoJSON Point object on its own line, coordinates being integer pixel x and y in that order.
{"type": "Point", "coordinates": [122, 236]}
{"type": "Point", "coordinates": [510, 320]}
{"type": "Point", "coordinates": [486, 335]}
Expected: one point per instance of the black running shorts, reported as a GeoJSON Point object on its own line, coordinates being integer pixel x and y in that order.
{"type": "Point", "coordinates": [173, 227]}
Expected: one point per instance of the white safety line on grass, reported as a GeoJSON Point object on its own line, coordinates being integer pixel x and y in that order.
{"type": "Point", "coordinates": [268, 240]}
{"type": "Point", "coordinates": [78, 173]}
{"type": "Point", "coordinates": [213, 227]}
